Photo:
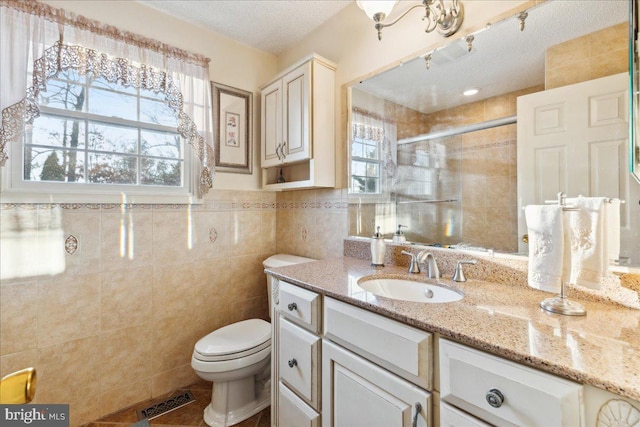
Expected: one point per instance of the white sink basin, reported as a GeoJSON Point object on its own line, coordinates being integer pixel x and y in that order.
{"type": "Point", "coordinates": [409, 290]}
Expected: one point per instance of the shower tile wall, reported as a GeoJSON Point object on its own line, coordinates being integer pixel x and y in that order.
{"type": "Point", "coordinates": [599, 54]}
{"type": "Point", "coordinates": [115, 322]}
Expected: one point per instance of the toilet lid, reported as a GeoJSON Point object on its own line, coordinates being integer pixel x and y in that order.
{"type": "Point", "coordinates": [235, 338]}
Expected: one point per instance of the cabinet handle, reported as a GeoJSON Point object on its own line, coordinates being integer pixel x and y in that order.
{"type": "Point", "coordinates": [417, 408]}
{"type": "Point", "coordinates": [292, 306]}
{"type": "Point", "coordinates": [278, 154]}
{"type": "Point", "coordinates": [495, 398]}
{"type": "Point", "coordinates": [292, 363]}
{"type": "Point", "coordinates": [284, 144]}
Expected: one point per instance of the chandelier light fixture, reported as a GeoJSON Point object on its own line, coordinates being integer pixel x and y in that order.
{"type": "Point", "coordinates": [446, 20]}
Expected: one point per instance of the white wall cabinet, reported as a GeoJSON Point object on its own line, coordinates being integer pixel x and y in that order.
{"type": "Point", "coordinates": [297, 126]}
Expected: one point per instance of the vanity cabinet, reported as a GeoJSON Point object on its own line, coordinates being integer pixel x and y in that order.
{"type": "Point", "coordinates": [503, 393]}
{"type": "Point", "coordinates": [295, 356]}
{"type": "Point", "coordinates": [356, 389]}
{"type": "Point", "coordinates": [297, 126]}
{"type": "Point", "coordinates": [329, 369]}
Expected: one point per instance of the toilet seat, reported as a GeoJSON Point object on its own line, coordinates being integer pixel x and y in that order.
{"type": "Point", "coordinates": [234, 341]}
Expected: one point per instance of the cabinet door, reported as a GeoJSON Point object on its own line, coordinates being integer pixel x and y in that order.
{"type": "Point", "coordinates": [271, 125]}
{"type": "Point", "coordinates": [355, 392]}
{"type": "Point", "coordinates": [296, 95]}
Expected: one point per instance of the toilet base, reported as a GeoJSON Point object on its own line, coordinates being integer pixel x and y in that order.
{"type": "Point", "coordinates": [234, 401]}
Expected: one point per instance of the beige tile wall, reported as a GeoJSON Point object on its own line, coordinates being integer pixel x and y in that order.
{"type": "Point", "coordinates": [118, 325]}
{"type": "Point", "coordinates": [599, 54]}
{"type": "Point", "coordinates": [311, 223]}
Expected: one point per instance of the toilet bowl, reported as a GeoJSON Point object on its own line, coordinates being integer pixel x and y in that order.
{"type": "Point", "coordinates": [236, 358]}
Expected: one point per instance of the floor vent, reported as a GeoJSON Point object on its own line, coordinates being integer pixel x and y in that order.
{"type": "Point", "coordinates": [167, 405]}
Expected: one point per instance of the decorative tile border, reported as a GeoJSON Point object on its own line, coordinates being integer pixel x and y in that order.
{"type": "Point", "coordinates": [312, 205]}
{"type": "Point", "coordinates": [221, 205]}
{"type": "Point", "coordinates": [217, 205]}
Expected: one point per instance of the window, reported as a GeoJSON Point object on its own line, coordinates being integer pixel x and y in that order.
{"type": "Point", "coordinates": [91, 113]}
{"type": "Point", "coordinates": [367, 149]}
{"type": "Point", "coordinates": [365, 165]}
{"type": "Point", "coordinates": [91, 131]}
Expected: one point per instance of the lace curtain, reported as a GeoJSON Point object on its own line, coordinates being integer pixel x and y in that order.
{"type": "Point", "coordinates": [38, 41]}
{"type": "Point", "coordinates": [370, 126]}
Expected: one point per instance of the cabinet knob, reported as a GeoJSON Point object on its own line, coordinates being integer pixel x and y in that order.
{"type": "Point", "coordinates": [495, 398]}
{"type": "Point", "coordinates": [292, 306]}
{"type": "Point", "coordinates": [284, 144]}
{"type": "Point", "coordinates": [292, 363]}
{"type": "Point", "coordinates": [277, 153]}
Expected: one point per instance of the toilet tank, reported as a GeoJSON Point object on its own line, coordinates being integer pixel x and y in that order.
{"type": "Point", "coordinates": [280, 260]}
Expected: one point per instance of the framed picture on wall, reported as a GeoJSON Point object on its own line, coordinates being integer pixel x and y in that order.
{"type": "Point", "coordinates": [232, 128]}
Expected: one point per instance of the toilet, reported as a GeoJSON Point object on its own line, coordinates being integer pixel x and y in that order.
{"type": "Point", "coordinates": [236, 358]}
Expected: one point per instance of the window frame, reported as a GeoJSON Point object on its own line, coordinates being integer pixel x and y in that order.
{"type": "Point", "coordinates": [17, 190]}
{"type": "Point", "coordinates": [377, 161]}
{"type": "Point", "coordinates": [384, 196]}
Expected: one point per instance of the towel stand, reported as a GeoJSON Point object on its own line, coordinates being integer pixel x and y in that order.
{"type": "Point", "coordinates": [561, 304]}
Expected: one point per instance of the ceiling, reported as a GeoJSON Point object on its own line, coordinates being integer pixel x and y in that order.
{"type": "Point", "coordinates": [269, 25]}
{"type": "Point", "coordinates": [503, 59]}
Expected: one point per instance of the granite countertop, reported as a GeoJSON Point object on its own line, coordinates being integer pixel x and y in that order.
{"type": "Point", "coordinates": [601, 349]}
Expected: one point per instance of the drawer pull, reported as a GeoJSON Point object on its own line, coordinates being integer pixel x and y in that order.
{"type": "Point", "coordinates": [495, 398]}
{"type": "Point", "coordinates": [292, 306]}
{"type": "Point", "coordinates": [417, 407]}
{"type": "Point", "coordinates": [292, 363]}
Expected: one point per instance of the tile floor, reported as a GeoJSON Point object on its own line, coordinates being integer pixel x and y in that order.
{"type": "Point", "coordinates": [189, 415]}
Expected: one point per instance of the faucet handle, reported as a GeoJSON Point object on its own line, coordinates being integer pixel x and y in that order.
{"type": "Point", "coordinates": [413, 267]}
{"type": "Point", "coordinates": [458, 274]}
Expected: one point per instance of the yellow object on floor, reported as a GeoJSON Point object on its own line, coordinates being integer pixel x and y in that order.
{"type": "Point", "coordinates": [18, 387]}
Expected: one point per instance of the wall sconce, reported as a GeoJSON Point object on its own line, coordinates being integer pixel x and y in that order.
{"type": "Point", "coordinates": [446, 20]}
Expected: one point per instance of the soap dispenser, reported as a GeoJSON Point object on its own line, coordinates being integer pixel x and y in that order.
{"type": "Point", "coordinates": [399, 237]}
{"type": "Point", "coordinates": [378, 248]}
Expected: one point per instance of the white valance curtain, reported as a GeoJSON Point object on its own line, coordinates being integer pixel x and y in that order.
{"type": "Point", "coordinates": [38, 41]}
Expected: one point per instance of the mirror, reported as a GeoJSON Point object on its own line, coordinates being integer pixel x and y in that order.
{"type": "Point", "coordinates": [635, 90]}
{"type": "Point", "coordinates": [449, 167]}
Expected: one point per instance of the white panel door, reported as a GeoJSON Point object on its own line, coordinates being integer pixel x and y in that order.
{"type": "Point", "coordinates": [358, 393]}
{"type": "Point", "coordinates": [296, 88]}
{"type": "Point", "coordinates": [574, 139]}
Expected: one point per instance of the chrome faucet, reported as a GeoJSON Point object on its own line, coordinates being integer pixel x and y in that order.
{"type": "Point", "coordinates": [414, 267]}
{"type": "Point", "coordinates": [432, 266]}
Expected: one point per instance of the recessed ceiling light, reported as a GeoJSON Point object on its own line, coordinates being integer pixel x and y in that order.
{"type": "Point", "coordinates": [470, 92]}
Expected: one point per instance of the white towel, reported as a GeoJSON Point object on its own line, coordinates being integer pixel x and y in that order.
{"type": "Point", "coordinates": [589, 253]}
{"type": "Point", "coordinates": [546, 247]}
{"type": "Point", "coordinates": [612, 228]}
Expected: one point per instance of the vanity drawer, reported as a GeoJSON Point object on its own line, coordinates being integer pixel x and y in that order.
{"type": "Point", "coordinates": [521, 396]}
{"type": "Point", "coordinates": [293, 412]}
{"type": "Point", "coordinates": [300, 305]}
{"type": "Point", "coordinates": [401, 349]}
{"type": "Point", "coordinates": [299, 361]}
